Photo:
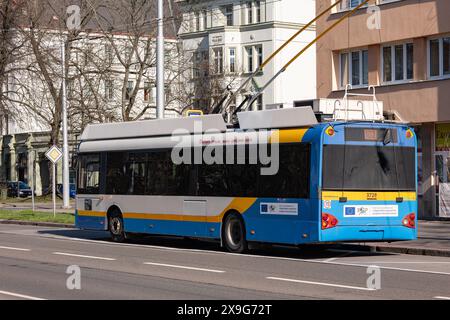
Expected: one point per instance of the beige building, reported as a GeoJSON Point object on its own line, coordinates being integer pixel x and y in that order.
{"type": "Point", "coordinates": [402, 49]}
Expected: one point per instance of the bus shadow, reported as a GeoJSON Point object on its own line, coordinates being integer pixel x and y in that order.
{"type": "Point", "coordinates": [313, 252]}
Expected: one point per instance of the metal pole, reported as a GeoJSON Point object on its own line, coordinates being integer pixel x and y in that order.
{"type": "Point", "coordinates": [54, 189]}
{"type": "Point", "coordinates": [160, 63]}
{"type": "Point", "coordinates": [66, 187]}
{"type": "Point", "coordinates": [33, 177]}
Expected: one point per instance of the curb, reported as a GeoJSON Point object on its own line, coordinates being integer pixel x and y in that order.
{"type": "Point", "coordinates": [38, 224]}
{"type": "Point", "coordinates": [401, 250]}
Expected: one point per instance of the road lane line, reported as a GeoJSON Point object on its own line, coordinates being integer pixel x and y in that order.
{"type": "Point", "coordinates": [12, 294]}
{"type": "Point", "coordinates": [343, 255]}
{"type": "Point", "coordinates": [15, 249]}
{"type": "Point", "coordinates": [211, 252]}
{"type": "Point", "coordinates": [182, 267]}
{"type": "Point", "coordinates": [83, 256]}
{"type": "Point", "coordinates": [442, 298]}
{"type": "Point", "coordinates": [321, 284]}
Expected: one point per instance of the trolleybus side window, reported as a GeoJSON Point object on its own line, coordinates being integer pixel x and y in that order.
{"type": "Point", "coordinates": [117, 181]}
{"type": "Point", "coordinates": [89, 176]}
{"type": "Point", "coordinates": [146, 173]}
{"type": "Point", "coordinates": [291, 181]}
{"type": "Point", "coordinates": [293, 178]}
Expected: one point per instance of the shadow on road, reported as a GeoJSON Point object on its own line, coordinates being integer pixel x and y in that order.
{"type": "Point", "coordinates": [322, 251]}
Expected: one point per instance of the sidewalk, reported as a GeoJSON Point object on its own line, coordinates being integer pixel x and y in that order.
{"type": "Point", "coordinates": [434, 240]}
{"type": "Point", "coordinates": [39, 206]}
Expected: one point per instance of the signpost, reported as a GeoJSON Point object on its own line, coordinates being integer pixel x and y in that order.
{"type": "Point", "coordinates": [54, 154]}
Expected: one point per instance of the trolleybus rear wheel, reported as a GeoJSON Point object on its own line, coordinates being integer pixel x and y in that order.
{"type": "Point", "coordinates": [233, 234]}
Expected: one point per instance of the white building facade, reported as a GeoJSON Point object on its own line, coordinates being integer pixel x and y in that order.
{"type": "Point", "coordinates": [235, 37]}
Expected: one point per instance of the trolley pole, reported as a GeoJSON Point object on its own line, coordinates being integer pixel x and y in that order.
{"type": "Point", "coordinates": [160, 98]}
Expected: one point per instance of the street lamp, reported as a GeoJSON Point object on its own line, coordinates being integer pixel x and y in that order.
{"type": "Point", "coordinates": [160, 98]}
{"type": "Point", "coordinates": [66, 194]}
{"type": "Point", "coordinates": [66, 184]}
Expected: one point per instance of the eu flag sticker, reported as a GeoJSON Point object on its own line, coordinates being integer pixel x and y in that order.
{"type": "Point", "coordinates": [350, 211]}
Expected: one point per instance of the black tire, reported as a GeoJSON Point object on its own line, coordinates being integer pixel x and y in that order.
{"type": "Point", "coordinates": [234, 234]}
{"type": "Point", "coordinates": [115, 226]}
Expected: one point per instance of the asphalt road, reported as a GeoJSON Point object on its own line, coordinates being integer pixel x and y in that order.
{"type": "Point", "coordinates": [34, 261]}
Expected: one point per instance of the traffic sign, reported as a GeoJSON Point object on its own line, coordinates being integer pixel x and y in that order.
{"type": "Point", "coordinates": [54, 154]}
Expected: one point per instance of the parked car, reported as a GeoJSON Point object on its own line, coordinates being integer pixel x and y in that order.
{"type": "Point", "coordinates": [24, 189]}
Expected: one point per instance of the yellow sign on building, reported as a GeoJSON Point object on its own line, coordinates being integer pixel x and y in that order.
{"type": "Point", "coordinates": [443, 137]}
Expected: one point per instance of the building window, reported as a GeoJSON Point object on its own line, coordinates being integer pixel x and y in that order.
{"type": "Point", "coordinates": [354, 68]}
{"type": "Point", "coordinates": [259, 53]}
{"type": "Point", "coordinates": [205, 19]}
{"type": "Point", "coordinates": [258, 11]}
{"type": "Point", "coordinates": [344, 67]}
{"type": "Point", "coordinates": [259, 103]}
{"type": "Point", "coordinates": [439, 57]}
{"type": "Point", "coordinates": [250, 64]}
{"type": "Point", "coordinates": [254, 57]}
{"type": "Point", "coordinates": [218, 60]}
{"type": "Point", "coordinates": [109, 51]}
{"type": "Point", "coordinates": [249, 13]}
{"type": "Point", "coordinates": [228, 13]}
{"type": "Point", "coordinates": [398, 62]}
{"type": "Point", "coordinates": [148, 97]}
{"type": "Point", "coordinates": [232, 60]}
{"type": "Point", "coordinates": [350, 4]}
{"type": "Point", "coordinates": [109, 90]}
{"type": "Point", "coordinates": [196, 64]}
{"type": "Point", "coordinates": [197, 21]}
{"type": "Point", "coordinates": [130, 87]}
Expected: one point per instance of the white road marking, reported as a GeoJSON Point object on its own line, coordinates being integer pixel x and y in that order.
{"type": "Point", "coordinates": [321, 284]}
{"type": "Point", "coordinates": [206, 252]}
{"type": "Point", "coordinates": [82, 256]}
{"type": "Point", "coordinates": [182, 267]}
{"type": "Point", "coordinates": [12, 294]}
{"type": "Point", "coordinates": [15, 249]}
{"type": "Point", "coordinates": [442, 298]}
{"type": "Point", "coordinates": [343, 255]}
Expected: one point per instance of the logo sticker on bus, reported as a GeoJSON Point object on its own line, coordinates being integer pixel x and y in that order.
{"type": "Point", "coordinates": [327, 204]}
{"type": "Point", "coordinates": [370, 211]}
{"type": "Point", "coordinates": [285, 209]}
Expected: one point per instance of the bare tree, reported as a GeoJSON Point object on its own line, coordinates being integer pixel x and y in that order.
{"type": "Point", "coordinates": [10, 52]}
{"type": "Point", "coordinates": [129, 31]}
{"type": "Point", "coordinates": [43, 31]}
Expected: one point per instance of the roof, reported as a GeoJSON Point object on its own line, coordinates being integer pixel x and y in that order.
{"type": "Point", "coordinates": [154, 128]}
{"type": "Point", "coordinates": [284, 118]}
{"type": "Point", "coordinates": [115, 16]}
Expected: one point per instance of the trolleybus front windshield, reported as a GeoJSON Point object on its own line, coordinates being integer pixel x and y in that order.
{"type": "Point", "coordinates": [369, 168]}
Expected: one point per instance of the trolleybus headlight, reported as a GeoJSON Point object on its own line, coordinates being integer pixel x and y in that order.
{"type": "Point", "coordinates": [329, 221]}
{"type": "Point", "coordinates": [410, 221]}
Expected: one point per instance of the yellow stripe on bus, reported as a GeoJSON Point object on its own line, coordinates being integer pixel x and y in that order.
{"type": "Point", "coordinates": [369, 196]}
{"type": "Point", "coordinates": [288, 136]}
{"type": "Point", "coordinates": [241, 205]}
{"type": "Point", "coordinates": [91, 214]}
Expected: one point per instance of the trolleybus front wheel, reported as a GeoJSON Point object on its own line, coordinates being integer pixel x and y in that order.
{"type": "Point", "coordinates": [115, 222]}
{"type": "Point", "coordinates": [233, 234]}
